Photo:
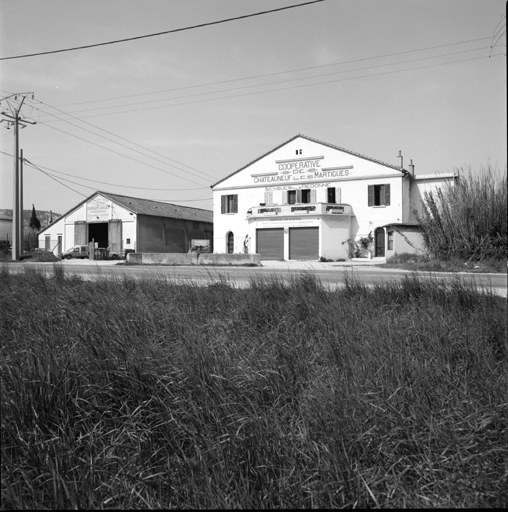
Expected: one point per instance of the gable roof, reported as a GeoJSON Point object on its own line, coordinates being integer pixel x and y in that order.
{"type": "Point", "coordinates": [333, 146]}
{"type": "Point", "coordinates": [148, 207]}
{"type": "Point", "coordinates": [159, 209]}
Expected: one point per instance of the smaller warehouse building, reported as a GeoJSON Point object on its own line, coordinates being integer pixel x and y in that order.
{"type": "Point", "coordinates": [122, 223]}
{"type": "Point", "coordinates": [5, 229]}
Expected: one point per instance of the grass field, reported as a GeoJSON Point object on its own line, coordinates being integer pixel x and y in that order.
{"type": "Point", "coordinates": [122, 393]}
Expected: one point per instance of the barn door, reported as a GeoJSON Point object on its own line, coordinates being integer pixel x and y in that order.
{"type": "Point", "coordinates": [80, 233]}
{"type": "Point", "coordinates": [115, 236]}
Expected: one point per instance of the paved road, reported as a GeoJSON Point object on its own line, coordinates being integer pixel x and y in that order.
{"type": "Point", "coordinates": [332, 274]}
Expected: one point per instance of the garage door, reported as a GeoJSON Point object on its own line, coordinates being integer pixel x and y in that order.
{"type": "Point", "coordinates": [270, 243]}
{"type": "Point", "coordinates": [303, 243]}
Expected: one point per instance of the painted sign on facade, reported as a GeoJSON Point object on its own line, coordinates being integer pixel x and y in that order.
{"type": "Point", "coordinates": [290, 171]}
{"type": "Point", "coordinates": [98, 211]}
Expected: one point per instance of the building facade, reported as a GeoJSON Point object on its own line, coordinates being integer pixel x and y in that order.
{"type": "Point", "coordinates": [308, 199]}
{"type": "Point", "coordinates": [123, 223]}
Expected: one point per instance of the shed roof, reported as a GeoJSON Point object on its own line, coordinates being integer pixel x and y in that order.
{"type": "Point", "coordinates": [333, 146]}
{"type": "Point", "coordinates": [148, 207]}
{"type": "Point", "coordinates": [159, 209]}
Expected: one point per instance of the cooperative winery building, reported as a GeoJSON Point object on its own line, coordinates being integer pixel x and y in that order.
{"type": "Point", "coordinates": [308, 199]}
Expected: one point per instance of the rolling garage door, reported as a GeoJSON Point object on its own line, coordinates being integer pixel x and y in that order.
{"type": "Point", "coordinates": [270, 243]}
{"type": "Point", "coordinates": [303, 243]}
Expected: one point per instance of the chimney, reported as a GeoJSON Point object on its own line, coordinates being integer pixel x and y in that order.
{"type": "Point", "coordinates": [411, 168]}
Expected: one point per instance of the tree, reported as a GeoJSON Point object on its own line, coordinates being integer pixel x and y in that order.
{"type": "Point", "coordinates": [34, 221]}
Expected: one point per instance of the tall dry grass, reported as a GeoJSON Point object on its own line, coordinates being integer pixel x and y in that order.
{"type": "Point", "coordinates": [468, 219]}
{"type": "Point", "coordinates": [137, 394]}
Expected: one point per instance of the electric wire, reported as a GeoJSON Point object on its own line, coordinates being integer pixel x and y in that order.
{"type": "Point", "coordinates": [121, 154]}
{"type": "Point", "coordinates": [201, 25]}
{"type": "Point", "coordinates": [277, 82]}
{"type": "Point", "coordinates": [289, 88]}
{"type": "Point", "coordinates": [122, 138]}
{"type": "Point", "coordinates": [275, 73]}
{"type": "Point", "coordinates": [59, 180]}
{"type": "Point", "coordinates": [122, 186]}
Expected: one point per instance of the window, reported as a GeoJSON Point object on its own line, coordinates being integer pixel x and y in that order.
{"type": "Point", "coordinates": [379, 195]}
{"type": "Point", "coordinates": [306, 196]}
{"type": "Point", "coordinates": [301, 196]}
{"type": "Point", "coordinates": [195, 225]}
{"type": "Point", "coordinates": [298, 151]}
{"type": "Point", "coordinates": [268, 197]}
{"type": "Point", "coordinates": [331, 195]}
{"type": "Point", "coordinates": [229, 204]}
{"type": "Point", "coordinates": [390, 240]}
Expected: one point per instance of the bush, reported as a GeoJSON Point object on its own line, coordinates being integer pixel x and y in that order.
{"type": "Point", "coordinates": [468, 219]}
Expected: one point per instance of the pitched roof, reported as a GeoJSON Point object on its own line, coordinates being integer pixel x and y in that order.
{"type": "Point", "coordinates": [159, 209]}
{"type": "Point", "coordinates": [333, 146]}
{"type": "Point", "coordinates": [148, 207]}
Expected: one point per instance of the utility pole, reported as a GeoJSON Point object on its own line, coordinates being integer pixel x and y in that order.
{"type": "Point", "coordinates": [15, 120]}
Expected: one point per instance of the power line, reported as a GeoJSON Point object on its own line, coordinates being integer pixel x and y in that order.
{"type": "Point", "coordinates": [117, 184]}
{"type": "Point", "coordinates": [118, 153]}
{"type": "Point", "coordinates": [93, 188]}
{"type": "Point", "coordinates": [276, 82]}
{"type": "Point", "coordinates": [276, 73]}
{"type": "Point", "coordinates": [165, 32]}
{"type": "Point", "coordinates": [291, 87]}
{"type": "Point", "coordinates": [122, 138]}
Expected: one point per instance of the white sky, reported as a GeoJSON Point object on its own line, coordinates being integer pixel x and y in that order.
{"type": "Point", "coordinates": [215, 98]}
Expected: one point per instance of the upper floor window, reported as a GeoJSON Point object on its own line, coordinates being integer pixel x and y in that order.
{"type": "Point", "coordinates": [305, 195]}
{"type": "Point", "coordinates": [379, 195]}
{"type": "Point", "coordinates": [229, 204]}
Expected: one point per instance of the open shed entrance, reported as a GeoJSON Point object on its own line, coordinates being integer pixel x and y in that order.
{"type": "Point", "coordinates": [98, 232]}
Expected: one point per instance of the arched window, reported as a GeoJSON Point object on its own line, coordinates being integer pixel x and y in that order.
{"type": "Point", "coordinates": [230, 240]}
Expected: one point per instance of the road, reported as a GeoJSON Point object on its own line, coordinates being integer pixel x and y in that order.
{"type": "Point", "coordinates": [332, 274]}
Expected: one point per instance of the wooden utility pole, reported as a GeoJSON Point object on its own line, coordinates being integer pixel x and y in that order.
{"type": "Point", "coordinates": [14, 120]}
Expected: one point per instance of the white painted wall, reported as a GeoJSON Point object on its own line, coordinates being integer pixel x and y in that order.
{"type": "Point", "coordinates": [98, 209]}
{"type": "Point", "coordinates": [324, 167]}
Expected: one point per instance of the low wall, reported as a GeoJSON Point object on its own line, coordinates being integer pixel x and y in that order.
{"type": "Point", "coordinates": [193, 258]}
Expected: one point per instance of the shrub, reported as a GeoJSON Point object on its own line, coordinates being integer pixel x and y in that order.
{"type": "Point", "coordinates": [467, 219]}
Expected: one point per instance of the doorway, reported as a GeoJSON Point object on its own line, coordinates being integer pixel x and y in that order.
{"type": "Point", "coordinates": [379, 241]}
{"type": "Point", "coordinates": [231, 243]}
{"type": "Point", "coordinates": [98, 232]}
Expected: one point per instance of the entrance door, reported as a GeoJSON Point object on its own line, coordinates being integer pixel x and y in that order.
{"type": "Point", "coordinates": [270, 243]}
{"type": "Point", "coordinates": [304, 243]}
{"type": "Point", "coordinates": [231, 243]}
{"type": "Point", "coordinates": [379, 236]}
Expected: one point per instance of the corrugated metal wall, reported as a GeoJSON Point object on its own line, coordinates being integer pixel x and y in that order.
{"type": "Point", "coordinates": [159, 234]}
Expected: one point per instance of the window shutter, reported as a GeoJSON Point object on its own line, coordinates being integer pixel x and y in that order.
{"type": "Point", "coordinates": [371, 195]}
{"type": "Point", "coordinates": [338, 196]}
{"type": "Point", "coordinates": [235, 204]}
{"type": "Point", "coordinates": [299, 196]}
{"type": "Point", "coordinates": [223, 204]}
{"type": "Point", "coordinates": [313, 195]}
{"type": "Point", "coordinates": [387, 195]}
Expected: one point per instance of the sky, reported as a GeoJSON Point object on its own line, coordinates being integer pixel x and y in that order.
{"type": "Point", "coordinates": [166, 117]}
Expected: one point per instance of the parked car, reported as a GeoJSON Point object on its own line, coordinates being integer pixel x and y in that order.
{"type": "Point", "coordinates": [79, 251]}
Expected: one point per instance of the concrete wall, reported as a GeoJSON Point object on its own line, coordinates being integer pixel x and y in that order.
{"type": "Point", "coordinates": [406, 239]}
{"type": "Point", "coordinates": [192, 259]}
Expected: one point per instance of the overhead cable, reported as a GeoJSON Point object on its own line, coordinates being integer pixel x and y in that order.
{"type": "Point", "coordinates": [192, 27]}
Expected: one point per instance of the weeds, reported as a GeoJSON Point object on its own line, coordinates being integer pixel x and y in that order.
{"type": "Point", "coordinates": [125, 393]}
